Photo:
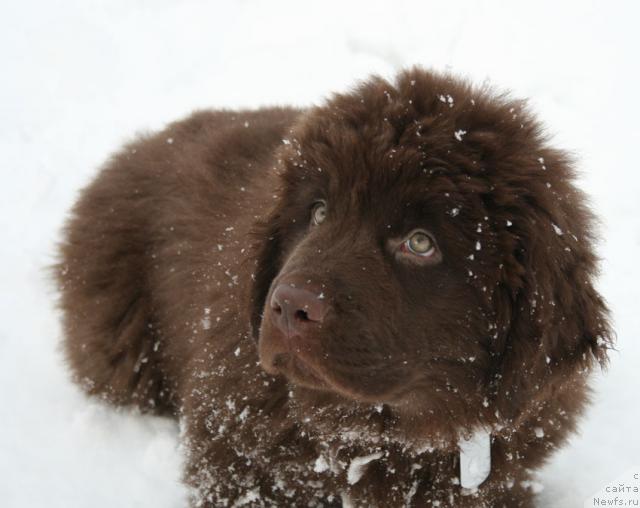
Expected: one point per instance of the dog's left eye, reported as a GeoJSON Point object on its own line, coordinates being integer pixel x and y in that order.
{"type": "Point", "coordinates": [318, 213]}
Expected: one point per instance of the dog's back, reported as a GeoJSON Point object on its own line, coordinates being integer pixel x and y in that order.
{"type": "Point", "coordinates": [149, 204]}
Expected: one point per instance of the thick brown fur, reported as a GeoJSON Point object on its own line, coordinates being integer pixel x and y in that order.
{"type": "Point", "coordinates": [168, 267]}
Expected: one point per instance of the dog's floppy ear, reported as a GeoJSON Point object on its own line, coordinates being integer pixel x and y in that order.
{"type": "Point", "coordinates": [554, 326]}
{"type": "Point", "coordinates": [267, 259]}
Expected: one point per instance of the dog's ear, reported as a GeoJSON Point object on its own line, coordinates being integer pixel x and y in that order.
{"type": "Point", "coordinates": [552, 325]}
{"type": "Point", "coordinates": [267, 258]}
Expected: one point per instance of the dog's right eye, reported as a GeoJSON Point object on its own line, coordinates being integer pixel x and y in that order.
{"type": "Point", "coordinates": [318, 213]}
{"type": "Point", "coordinates": [419, 244]}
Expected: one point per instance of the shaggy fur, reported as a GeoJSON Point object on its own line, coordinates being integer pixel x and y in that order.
{"type": "Point", "coordinates": [172, 256]}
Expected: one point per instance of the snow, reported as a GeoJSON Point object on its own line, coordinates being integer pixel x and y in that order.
{"type": "Point", "coordinates": [475, 458]}
{"type": "Point", "coordinates": [80, 78]}
{"type": "Point", "coordinates": [321, 465]}
{"type": "Point", "coordinates": [459, 134]}
{"type": "Point", "coordinates": [357, 467]}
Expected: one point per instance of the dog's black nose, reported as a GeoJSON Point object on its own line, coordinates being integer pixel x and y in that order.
{"type": "Point", "coordinates": [295, 310]}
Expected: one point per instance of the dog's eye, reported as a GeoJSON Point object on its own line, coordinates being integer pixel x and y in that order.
{"type": "Point", "coordinates": [318, 213]}
{"type": "Point", "coordinates": [420, 244]}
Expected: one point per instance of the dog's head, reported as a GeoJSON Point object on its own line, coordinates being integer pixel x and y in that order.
{"type": "Point", "coordinates": [427, 250]}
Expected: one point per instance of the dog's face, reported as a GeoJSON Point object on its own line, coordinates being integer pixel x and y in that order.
{"type": "Point", "coordinates": [370, 297]}
{"type": "Point", "coordinates": [403, 247]}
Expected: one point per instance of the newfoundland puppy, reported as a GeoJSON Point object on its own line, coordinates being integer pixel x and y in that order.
{"type": "Point", "coordinates": [387, 300]}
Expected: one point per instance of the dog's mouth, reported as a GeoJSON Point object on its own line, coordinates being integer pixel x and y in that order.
{"type": "Point", "coordinates": [299, 371]}
{"type": "Point", "coordinates": [303, 367]}
{"type": "Point", "coordinates": [307, 361]}
{"type": "Point", "coordinates": [299, 365]}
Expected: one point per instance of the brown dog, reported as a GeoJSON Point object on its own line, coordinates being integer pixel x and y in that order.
{"type": "Point", "coordinates": [352, 304]}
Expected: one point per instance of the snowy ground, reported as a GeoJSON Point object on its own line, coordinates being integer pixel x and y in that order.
{"type": "Point", "coordinates": [80, 77]}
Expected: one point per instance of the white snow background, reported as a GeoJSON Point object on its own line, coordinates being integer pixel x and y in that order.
{"type": "Point", "coordinates": [78, 78]}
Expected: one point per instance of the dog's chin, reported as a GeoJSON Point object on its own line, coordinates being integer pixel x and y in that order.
{"type": "Point", "coordinates": [297, 369]}
{"type": "Point", "coordinates": [305, 374]}
{"type": "Point", "coordinates": [302, 368]}
{"type": "Point", "coordinates": [278, 357]}
{"type": "Point", "coordinates": [300, 373]}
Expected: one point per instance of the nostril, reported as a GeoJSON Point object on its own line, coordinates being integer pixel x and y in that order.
{"type": "Point", "coordinates": [302, 315]}
{"type": "Point", "coordinates": [295, 310]}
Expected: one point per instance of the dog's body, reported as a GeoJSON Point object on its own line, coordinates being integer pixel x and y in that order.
{"type": "Point", "coordinates": [176, 256]}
